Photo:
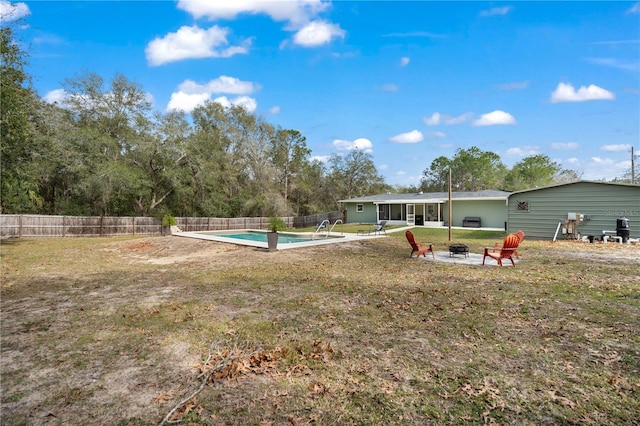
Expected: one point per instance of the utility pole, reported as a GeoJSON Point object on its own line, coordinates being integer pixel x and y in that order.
{"type": "Point", "coordinates": [450, 205]}
{"type": "Point", "coordinates": [633, 171]}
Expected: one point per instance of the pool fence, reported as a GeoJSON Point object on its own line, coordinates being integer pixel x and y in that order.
{"type": "Point", "coordinates": [28, 225]}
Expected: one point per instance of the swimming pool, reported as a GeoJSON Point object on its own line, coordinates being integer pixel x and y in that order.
{"type": "Point", "coordinates": [258, 238]}
{"type": "Point", "coordinates": [283, 237]}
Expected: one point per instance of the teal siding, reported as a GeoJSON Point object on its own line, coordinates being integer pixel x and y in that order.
{"type": "Point", "coordinates": [367, 215]}
{"type": "Point", "coordinates": [602, 203]}
{"type": "Point", "coordinates": [492, 213]}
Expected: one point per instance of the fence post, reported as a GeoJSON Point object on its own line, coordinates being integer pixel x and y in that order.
{"type": "Point", "coordinates": [64, 226]}
{"type": "Point", "coordinates": [134, 226]}
{"type": "Point", "coordinates": [20, 226]}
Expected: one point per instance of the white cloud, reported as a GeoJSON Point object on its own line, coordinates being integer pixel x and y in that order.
{"type": "Point", "coordinates": [615, 43]}
{"type": "Point", "coordinates": [186, 102]}
{"type": "Point", "coordinates": [360, 143]}
{"type": "Point", "coordinates": [573, 160]}
{"type": "Point", "coordinates": [353, 54]}
{"type": "Point", "coordinates": [291, 11]}
{"type": "Point", "coordinates": [438, 118]}
{"type": "Point", "coordinates": [440, 135]}
{"type": "Point", "coordinates": [524, 151]}
{"type": "Point", "coordinates": [565, 92]}
{"type": "Point", "coordinates": [383, 167]}
{"type": "Point", "coordinates": [493, 118]}
{"type": "Point", "coordinates": [404, 61]}
{"type": "Point", "coordinates": [193, 43]}
{"type": "Point", "coordinates": [13, 11]}
{"type": "Point", "coordinates": [222, 84]}
{"type": "Point", "coordinates": [50, 39]}
{"type": "Point", "coordinates": [413, 136]}
{"type": "Point", "coordinates": [274, 110]}
{"type": "Point", "coordinates": [564, 145]}
{"type": "Point", "coordinates": [247, 102]}
{"type": "Point", "coordinates": [411, 34]}
{"type": "Point", "coordinates": [496, 11]}
{"type": "Point", "coordinates": [191, 94]}
{"type": "Point", "coordinates": [598, 160]}
{"type": "Point", "coordinates": [321, 158]}
{"type": "Point", "coordinates": [634, 9]}
{"type": "Point", "coordinates": [435, 119]}
{"type": "Point", "coordinates": [317, 33]}
{"type": "Point", "coordinates": [615, 63]}
{"type": "Point", "coordinates": [598, 168]}
{"type": "Point", "coordinates": [616, 147]}
{"type": "Point", "coordinates": [389, 87]}
{"type": "Point", "coordinates": [58, 96]}
{"type": "Point", "coordinates": [300, 16]}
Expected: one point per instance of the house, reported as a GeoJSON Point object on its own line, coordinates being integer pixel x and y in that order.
{"type": "Point", "coordinates": [431, 209]}
{"type": "Point", "coordinates": [575, 209]}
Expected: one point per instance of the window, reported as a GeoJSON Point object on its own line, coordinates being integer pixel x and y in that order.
{"type": "Point", "coordinates": [383, 211]}
{"type": "Point", "coordinates": [396, 212]}
{"type": "Point", "coordinates": [522, 206]}
{"type": "Point", "coordinates": [359, 208]}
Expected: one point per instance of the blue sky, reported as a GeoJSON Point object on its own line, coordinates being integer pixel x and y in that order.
{"type": "Point", "coordinates": [406, 81]}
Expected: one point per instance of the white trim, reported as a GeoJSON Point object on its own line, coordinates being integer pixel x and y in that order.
{"type": "Point", "coordinates": [424, 201]}
{"type": "Point", "coordinates": [435, 200]}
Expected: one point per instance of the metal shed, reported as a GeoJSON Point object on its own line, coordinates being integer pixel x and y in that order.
{"type": "Point", "coordinates": [573, 210]}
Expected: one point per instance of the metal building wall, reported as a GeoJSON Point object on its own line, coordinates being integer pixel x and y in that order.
{"type": "Point", "coordinates": [601, 203]}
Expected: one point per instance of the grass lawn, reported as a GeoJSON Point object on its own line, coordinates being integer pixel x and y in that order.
{"type": "Point", "coordinates": [144, 331]}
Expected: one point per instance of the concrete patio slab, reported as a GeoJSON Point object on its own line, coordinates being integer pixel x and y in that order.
{"type": "Point", "coordinates": [474, 259]}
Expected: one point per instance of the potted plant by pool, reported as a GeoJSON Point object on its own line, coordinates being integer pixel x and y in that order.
{"type": "Point", "coordinates": [168, 222]}
{"type": "Point", "coordinates": [275, 224]}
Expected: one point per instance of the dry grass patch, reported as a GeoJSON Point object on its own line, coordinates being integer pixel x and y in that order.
{"type": "Point", "coordinates": [123, 331]}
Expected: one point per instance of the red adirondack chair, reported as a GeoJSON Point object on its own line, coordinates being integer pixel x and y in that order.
{"type": "Point", "coordinates": [507, 251]}
{"type": "Point", "coordinates": [520, 235]}
{"type": "Point", "coordinates": [421, 248]}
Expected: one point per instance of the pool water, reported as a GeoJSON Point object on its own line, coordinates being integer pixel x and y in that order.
{"type": "Point", "coordinates": [262, 237]}
{"type": "Point", "coordinates": [258, 238]}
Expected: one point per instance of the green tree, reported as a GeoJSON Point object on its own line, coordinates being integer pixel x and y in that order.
{"type": "Point", "coordinates": [475, 170]}
{"type": "Point", "coordinates": [19, 190]}
{"type": "Point", "coordinates": [112, 125]}
{"type": "Point", "coordinates": [227, 154]}
{"type": "Point", "coordinates": [533, 171]}
{"type": "Point", "coordinates": [471, 170]}
{"type": "Point", "coordinates": [60, 164]}
{"type": "Point", "coordinates": [354, 175]}
{"type": "Point", "coordinates": [436, 177]}
{"type": "Point", "coordinates": [288, 153]}
{"type": "Point", "coordinates": [312, 194]}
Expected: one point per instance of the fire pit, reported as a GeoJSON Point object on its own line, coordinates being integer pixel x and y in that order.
{"type": "Point", "coordinates": [458, 249]}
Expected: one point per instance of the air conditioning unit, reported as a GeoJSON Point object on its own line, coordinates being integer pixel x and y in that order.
{"type": "Point", "coordinates": [575, 216]}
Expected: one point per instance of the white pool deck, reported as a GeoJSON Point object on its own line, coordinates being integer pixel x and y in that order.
{"type": "Point", "coordinates": [318, 239]}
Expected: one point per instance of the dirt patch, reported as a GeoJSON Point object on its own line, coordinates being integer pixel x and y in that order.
{"type": "Point", "coordinates": [177, 250]}
{"type": "Point", "coordinates": [99, 331]}
{"type": "Point", "coordinates": [213, 254]}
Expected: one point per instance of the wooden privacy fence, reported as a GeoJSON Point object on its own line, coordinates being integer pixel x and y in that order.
{"type": "Point", "coordinates": [22, 226]}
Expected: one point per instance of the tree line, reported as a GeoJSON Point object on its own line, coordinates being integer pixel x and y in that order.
{"type": "Point", "coordinates": [105, 152]}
